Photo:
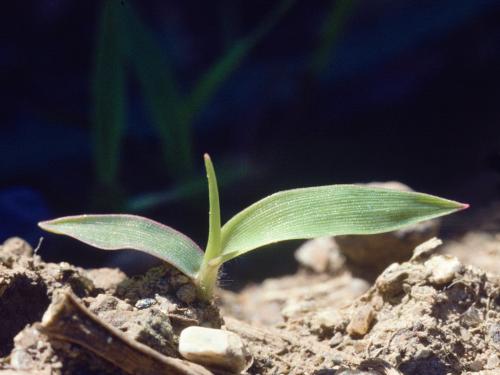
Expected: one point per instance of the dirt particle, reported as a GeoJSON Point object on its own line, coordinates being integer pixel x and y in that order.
{"type": "Point", "coordinates": [493, 362]}
{"type": "Point", "coordinates": [336, 340]}
{"type": "Point", "coordinates": [21, 360]}
{"type": "Point", "coordinates": [325, 322]}
{"type": "Point", "coordinates": [294, 308]}
{"type": "Point", "coordinates": [179, 279]}
{"type": "Point", "coordinates": [472, 317]}
{"type": "Point", "coordinates": [320, 255]}
{"type": "Point", "coordinates": [186, 293]}
{"type": "Point", "coordinates": [361, 321]}
{"type": "Point", "coordinates": [494, 334]}
{"type": "Point", "coordinates": [390, 282]}
{"type": "Point", "coordinates": [105, 302]}
{"type": "Point", "coordinates": [17, 246]}
{"type": "Point", "coordinates": [106, 279]}
{"type": "Point", "coordinates": [442, 269]}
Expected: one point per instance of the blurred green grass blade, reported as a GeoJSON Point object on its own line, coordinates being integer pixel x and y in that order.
{"type": "Point", "coordinates": [108, 94]}
{"type": "Point", "coordinates": [115, 232]}
{"type": "Point", "coordinates": [327, 211]}
{"type": "Point", "coordinates": [161, 94]}
{"type": "Point", "coordinates": [332, 29]}
{"type": "Point", "coordinates": [220, 71]}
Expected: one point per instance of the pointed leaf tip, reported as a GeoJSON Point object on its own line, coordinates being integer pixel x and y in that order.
{"type": "Point", "coordinates": [48, 225]}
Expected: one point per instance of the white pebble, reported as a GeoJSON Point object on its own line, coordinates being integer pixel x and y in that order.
{"type": "Point", "coordinates": [442, 269]}
{"type": "Point", "coordinates": [214, 347]}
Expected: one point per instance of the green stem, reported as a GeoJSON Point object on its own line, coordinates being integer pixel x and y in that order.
{"type": "Point", "coordinates": [207, 277]}
{"type": "Point", "coordinates": [207, 280]}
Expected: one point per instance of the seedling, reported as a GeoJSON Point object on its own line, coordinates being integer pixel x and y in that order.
{"type": "Point", "coordinates": [292, 214]}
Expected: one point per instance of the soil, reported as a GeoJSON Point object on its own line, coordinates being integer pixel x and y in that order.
{"type": "Point", "coordinates": [434, 314]}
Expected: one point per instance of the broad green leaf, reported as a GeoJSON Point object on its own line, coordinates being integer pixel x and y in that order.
{"type": "Point", "coordinates": [327, 211]}
{"type": "Point", "coordinates": [115, 232]}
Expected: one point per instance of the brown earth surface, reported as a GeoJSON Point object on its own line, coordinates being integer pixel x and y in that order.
{"type": "Point", "coordinates": [433, 314]}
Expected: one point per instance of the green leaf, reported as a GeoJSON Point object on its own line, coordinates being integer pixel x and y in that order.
{"type": "Point", "coordinates": [214, 233]}
{"type": "Point", "coordinates": [327, 211]}
{"type": "Point", "coordinates": [115, 232]}
{"type": "Point", "coordinates": [207, 277]}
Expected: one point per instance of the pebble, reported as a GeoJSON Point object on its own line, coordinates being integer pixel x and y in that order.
{"type": "Point", "coordinates": [320, 255]}
{"type": "Point", "coordinates": [21, 360]}
{"type": "Point", "coordinates": [425, 249]}
{"type": "Point", "coordinates": [390, 282]}
{"type": "Point", "coordinates": [336, 340]}
{"type": "Point", "coordinates": [472, 317]}
{"type": "Point", "coordinates": [361, 322]}
{"type": "Point", "coordinates": [214, 347]}
{"type": "Point", "coordinates": [17, 246]}
{"type": "Point", "coordinates": [296, 308]}
{"type": "Point", "coordinates": [442, 269]}
{"type": "Point", "coordinates": [493, 362]}
{"type": "Point", "coordinates": [494, 333]}
{"type": "Point", "coordinates": [328, 319]}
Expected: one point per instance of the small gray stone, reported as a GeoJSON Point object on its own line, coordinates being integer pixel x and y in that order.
{"type": "Point", "coordinates": [145, 303]}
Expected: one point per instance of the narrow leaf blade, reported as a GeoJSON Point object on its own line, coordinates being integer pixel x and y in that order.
{"type": "Point", "coordinates": [161, 94]}
{"type": "Point", "coordinates": [109, 94]}
{"type": "Point", "coordinates": [327, 211]}
{"type": "Point", "coordinates": [115, 232]}
{"type": "Point", "coordinates": [222, 69]}
{"type": "Point", "coordinates": [214, 233]}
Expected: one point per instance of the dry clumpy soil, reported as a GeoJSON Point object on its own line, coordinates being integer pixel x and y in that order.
{"type": "Point", "coordinates": [431, 315]}
{"type": "Point", "coordinates": [150, 310]}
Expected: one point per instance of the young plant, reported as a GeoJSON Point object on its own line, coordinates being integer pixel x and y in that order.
{"type": "Point", "coordinates": [291, 214]}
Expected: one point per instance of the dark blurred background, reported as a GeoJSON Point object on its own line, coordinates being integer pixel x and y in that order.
{"type": "Point", "coordinates": [108, 106]}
